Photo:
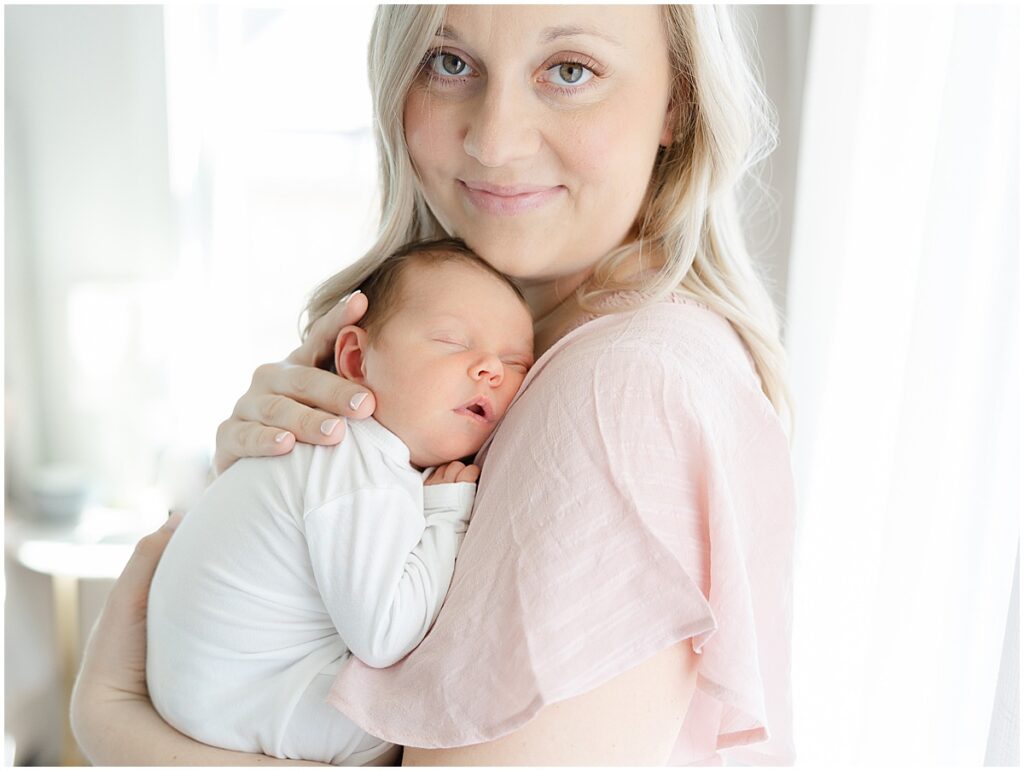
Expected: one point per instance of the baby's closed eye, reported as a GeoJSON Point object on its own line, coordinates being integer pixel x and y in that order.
{"type": "Point", "coordinates": [452, 341]}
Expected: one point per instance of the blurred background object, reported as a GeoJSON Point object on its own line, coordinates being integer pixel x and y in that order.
{"type": "Point", "coordinates": [179, 178]}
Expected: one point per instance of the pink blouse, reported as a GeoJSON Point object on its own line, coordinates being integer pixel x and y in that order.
{"type": "Point", "coordinates": [637, 493]}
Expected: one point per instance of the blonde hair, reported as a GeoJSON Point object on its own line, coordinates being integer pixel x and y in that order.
{"type": "Point", "coordinates": [724, 126]}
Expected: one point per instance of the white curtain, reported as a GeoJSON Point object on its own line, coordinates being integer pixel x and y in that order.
{"type": "Point", "coordinates": [903, 334]}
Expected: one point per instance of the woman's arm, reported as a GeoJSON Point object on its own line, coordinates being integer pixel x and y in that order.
{"type": "Point", "coordinates": [293, 400]}
{"type": "Point", "coordinates": [632, 720]}
{"type": "Point", "coordinates": [112, 717]}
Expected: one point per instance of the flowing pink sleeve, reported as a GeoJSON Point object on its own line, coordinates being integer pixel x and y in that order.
{"type": "Point", "coordinates": [638, 493]}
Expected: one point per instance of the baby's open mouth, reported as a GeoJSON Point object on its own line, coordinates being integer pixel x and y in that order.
{"type": "Point", "coordinates": [480, 408]}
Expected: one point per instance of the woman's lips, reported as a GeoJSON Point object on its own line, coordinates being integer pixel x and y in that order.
{"type": "Point", "coordinates": [508, 200]}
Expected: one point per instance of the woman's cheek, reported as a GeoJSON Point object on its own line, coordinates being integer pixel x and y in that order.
{"type": "Point", "coordinates": [611, 155]}
{"type": "Point", "coordinates": [424, 134]}
{"type": "Point", "coordinates": [632, 172]}
{"type": "Point", "coordinates": [615, 188]}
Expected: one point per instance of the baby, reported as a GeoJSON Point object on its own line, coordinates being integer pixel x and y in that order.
{"type": "Point", "coordinates": [289, 565]}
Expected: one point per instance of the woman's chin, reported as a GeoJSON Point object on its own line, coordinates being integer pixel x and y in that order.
{"type": "Point", "coordinates": [532, 260]}
{"type": "Point", "coordinates": [521, 259]}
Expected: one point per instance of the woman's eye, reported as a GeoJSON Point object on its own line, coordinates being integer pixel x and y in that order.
{"type": "Point", "coordinates": [448, 65]}
{"type": "Point", "coordinates": [570, 74]}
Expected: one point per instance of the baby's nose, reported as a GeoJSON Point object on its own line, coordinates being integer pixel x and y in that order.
{"type": "Point", "coordinates": [490, 367]}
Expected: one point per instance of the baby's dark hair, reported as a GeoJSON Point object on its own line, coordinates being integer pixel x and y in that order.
{"type": "Point", "coordinates": [383, 286]}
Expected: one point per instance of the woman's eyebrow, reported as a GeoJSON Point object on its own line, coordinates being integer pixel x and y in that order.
{"type": "Point", "coordinates": [448, 31]}
{"type": "Point", "coordinates": [548, 35]}
{"type": "Point", "coordinates": [554, 33]}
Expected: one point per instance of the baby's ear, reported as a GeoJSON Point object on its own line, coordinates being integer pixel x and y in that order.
{"type": "Point", "coordinates": [349, 353]}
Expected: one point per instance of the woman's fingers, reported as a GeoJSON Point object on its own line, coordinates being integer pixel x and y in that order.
{"type": "Point", "coordinates": [130, 592]}
{"type": "Point", "coordinates": [308, 424]}
{"type": "Point", "coordinates": [114, 660]}
{"type": "Point", "coordinates": [287, 403]}
{"type": "Point", "coordinates": [307, 403]}
{"type": "Point", "coordinates": [314, 388]}
{"type": "Point", "coordinates": [245, 439]}
{"type": "Point", "coordinates": [293, 400]}
{"type": "Point", "coordinates": [319, 344]}
{"type": "Point", "coordinates": [115, 656]}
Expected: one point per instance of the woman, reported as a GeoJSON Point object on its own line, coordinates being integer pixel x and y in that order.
{"type": "Point", "coordinates": [623, 593]}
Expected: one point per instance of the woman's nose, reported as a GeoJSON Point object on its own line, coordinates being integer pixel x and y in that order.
{"type": "Point", "coordinates": [489, 368]}
{"type": "Point", "coordinates": [501, 128]}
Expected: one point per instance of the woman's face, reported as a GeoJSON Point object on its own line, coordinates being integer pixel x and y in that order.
{"type": "Point", "coordinates": [534, 130]}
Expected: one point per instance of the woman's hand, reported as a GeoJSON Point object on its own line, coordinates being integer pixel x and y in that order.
{"type": "Point", "coordinates": [113, 673]}
{"type": "Point", "coordinates": [115, 657]}
{"type": "Point", "coordinates": [112, 717]}
{"type": "Point", "coordinates": [293, 400]}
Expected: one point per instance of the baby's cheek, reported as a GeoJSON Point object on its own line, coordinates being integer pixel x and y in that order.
{"type": "Point", "coordinates": [501, 407]}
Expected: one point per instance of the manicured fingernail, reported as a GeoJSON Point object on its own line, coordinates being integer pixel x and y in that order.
{"type": "Point", "coordinates": [328, 426]}
{"type": "Point", "coordinates": [344, 300]}
{"type": "Point", "coordinates": [173, 520]}
{"type": "Point", "coordinates": [281, 437]}
{"type": "Point", "coordinates": [356, 400]}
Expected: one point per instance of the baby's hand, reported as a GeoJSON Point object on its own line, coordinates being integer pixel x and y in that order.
{"type": "Point", "coordinates": [456, 471]}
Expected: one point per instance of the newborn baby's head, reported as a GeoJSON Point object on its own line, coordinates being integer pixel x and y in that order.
{"type": "Point", "coordinates": [444, 347]}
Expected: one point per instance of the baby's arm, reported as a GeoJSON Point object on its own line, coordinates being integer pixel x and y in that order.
{"type": "Point", "coordinates": [383, 566]}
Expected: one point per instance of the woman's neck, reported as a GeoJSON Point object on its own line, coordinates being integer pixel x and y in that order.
{"type": "Point", "coordinates": [554, 308]}
{"type": "Point", "coordinates": [548, 330]}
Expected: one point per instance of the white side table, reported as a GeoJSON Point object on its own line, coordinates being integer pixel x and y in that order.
{"type": "Point", "coordinates": [97, 545]}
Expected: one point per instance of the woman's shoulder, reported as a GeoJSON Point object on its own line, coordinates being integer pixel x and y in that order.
{"type": "Point", "coordinates": [678, 339]}
{"type": "Point", "coordinates": [667, 367]}
{"type": "Point", "coordinates": [678, 325]}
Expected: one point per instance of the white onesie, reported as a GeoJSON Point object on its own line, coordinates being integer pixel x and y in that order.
{"type": "Point", "coordinates": [284, 568]}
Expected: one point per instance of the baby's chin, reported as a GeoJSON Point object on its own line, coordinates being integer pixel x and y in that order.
{"type": "Point", "coordinates": [431, 459]}
{"type": "Point", "coordinates": [426, 449]}
{"type": "Point", "coordinates": [440, 453]}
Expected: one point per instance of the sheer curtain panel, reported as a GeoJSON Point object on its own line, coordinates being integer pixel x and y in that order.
{"type": "Point", "coordinates": [903, 335]}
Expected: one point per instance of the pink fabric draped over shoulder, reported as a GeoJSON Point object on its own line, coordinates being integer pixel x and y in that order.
{"type": "Point", "coordinates": [637, 493]}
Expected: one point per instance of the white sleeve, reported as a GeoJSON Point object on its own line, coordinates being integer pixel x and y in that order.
{"type": "Point", "coordinates": [383, 566]}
